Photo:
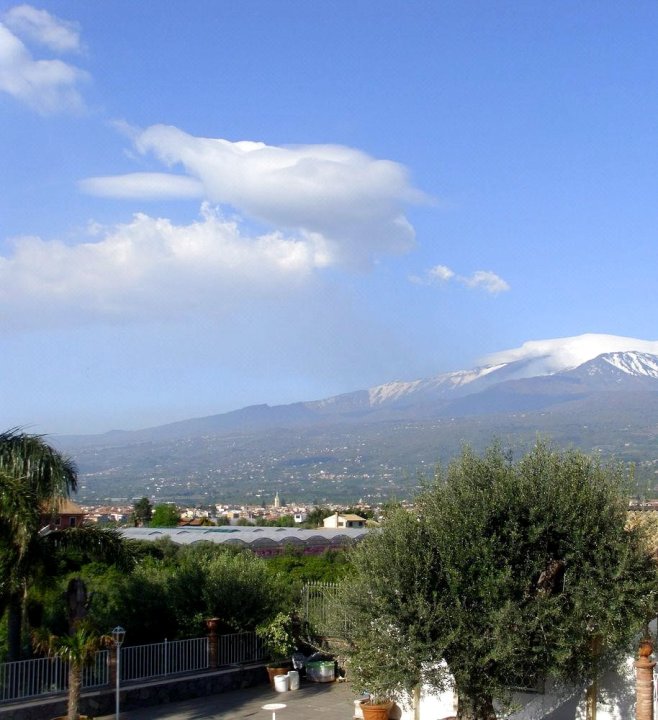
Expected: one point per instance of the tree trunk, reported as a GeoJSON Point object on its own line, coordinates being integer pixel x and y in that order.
{"type": "Point", "coordinates": [591, 700]}
{"type": "Point", "coordinates": [416, 702]}
{"type": "Point", "coordinates": [75, 687]}
{"type": "Point", "coordinates": [475, 708]}
{"type": "Point", "coordinates": [14, 626]}
{"type": "Point", "coordinates": [77, 600]}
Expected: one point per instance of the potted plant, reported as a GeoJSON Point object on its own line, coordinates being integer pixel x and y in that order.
{"type": "Point", "coordinates": [368, 670]}
{"type": "Point", "coordinates": [279, 643]}
{"type": "Point", "coordinates": [77, 649]}
{"type": "Point", "coordinates": [382, 667]}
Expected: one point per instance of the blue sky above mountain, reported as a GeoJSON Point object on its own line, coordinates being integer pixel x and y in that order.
{"type": "Point", "coordinates": [217, 204]}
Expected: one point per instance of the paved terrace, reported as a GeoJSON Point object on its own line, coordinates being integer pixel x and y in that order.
{"type": "Point", "coordinates": [324, 701]}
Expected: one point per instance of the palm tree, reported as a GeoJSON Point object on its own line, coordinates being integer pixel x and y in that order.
{"type": "Point", "coordinates": [34, 479]}
{"type": "Point", "coordinates": [78, 650]}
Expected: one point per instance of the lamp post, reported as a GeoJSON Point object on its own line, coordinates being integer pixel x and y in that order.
{"type": "Point", "coordinates": [118, 634]}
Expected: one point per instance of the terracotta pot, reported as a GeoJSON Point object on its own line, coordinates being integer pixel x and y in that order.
{"type": "Point", "coordinates": [272, 671]}
{"type": "Point", "coordinates": [646, 647]}
{"type": "Point", "coordinates": [375, 711]}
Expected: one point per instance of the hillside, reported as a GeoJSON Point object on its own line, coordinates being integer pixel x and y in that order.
{"type": "Point", "coordinates": [374, 443]}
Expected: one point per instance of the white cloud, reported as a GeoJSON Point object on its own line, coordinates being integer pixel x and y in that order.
{"type": "Point", "coordinates": [486, 280]}
{"type": "Point", "coordinates": [42, 27]}
{"type": "Point", "coordinates": [143, 186]}
{"type": "Point", "coordinates": [548, 356]}
{"type": "Point", "coordinates": [480, 279]}
{"type": "Point", "coordinates": [150, 268]}
{"type": "Point", "coordinates": [48, 86]}
{"type": "Point", "coordinates": [341, 197]}
{"type": "Point", "coordinates": [441, 273]}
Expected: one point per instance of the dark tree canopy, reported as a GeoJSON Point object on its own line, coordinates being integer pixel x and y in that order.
{"type": "Point", "coordinates": [34, 478]}
{"type": "Point", "coordinates": [510, 572]}
{"type": "Point", "coordinates": [143, 511]}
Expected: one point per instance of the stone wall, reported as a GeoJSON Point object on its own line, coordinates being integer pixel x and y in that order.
{"type": "Point", "coordinates": [95, 703]}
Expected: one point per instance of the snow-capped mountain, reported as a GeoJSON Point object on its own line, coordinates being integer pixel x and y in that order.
{"type": "Point", "coordinates": [538, 375]}
{"type": "Point", "coordinates": [535, 359]}
{"type": "Point", "coordinates": [597, 393]}
{"type": "Point", "coordinates": [544, 357]}
{"type": "Point", "coordinates": [625, 363]}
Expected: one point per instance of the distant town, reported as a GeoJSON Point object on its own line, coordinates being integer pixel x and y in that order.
{"type": "Point", "coordinates": [277, 513]}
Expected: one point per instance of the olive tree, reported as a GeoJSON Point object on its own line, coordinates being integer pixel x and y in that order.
{"type": "Point", "coordinates": [391, 613]}
{"type": "Point", "coordinates": [513, 572]}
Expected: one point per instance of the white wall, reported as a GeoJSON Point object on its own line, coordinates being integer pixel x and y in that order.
{"type": "Point", "coordinates": [616, 701]}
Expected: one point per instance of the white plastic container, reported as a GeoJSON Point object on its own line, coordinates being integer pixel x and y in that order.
{"type": "Point", "coordinates": [293, 680]}
{"type": "Point", "coordinates": [281, 683]}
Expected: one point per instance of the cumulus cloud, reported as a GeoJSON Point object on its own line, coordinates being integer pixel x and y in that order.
{"type": "Point", "coordinates": [440, 273]}
{"type": "Point", "coordinates": [486, 280]}
{"type": "Point", "coordinates": [340, 197]}
{"type": "Point", "coordinates": [150, 268]}
{"type": "Point", "coordinates": [480, 279]}
{"type": "Point", "coordinates": [48, 85]}
{"type": "Point", "coordinates": [42, 27]}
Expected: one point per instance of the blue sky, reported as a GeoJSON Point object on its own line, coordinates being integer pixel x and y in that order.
{"type": "Point", "coordinates": [211, 204]}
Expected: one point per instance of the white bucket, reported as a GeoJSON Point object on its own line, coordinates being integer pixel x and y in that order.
{"type": "Point", "coordinates": [281, 683]}
{"type": "Point", "coordinates": [293, 676]}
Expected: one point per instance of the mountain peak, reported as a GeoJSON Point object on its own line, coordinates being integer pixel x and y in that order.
{"type": "Point", "coordinates": [632, 362]}
{"type": "Point", "coordinates": [545, 357]}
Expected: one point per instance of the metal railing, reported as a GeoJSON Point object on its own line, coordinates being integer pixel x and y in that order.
{"type": "Point", "coordinates": [31, 678]}
{"type": "Point", "coordinates": [239, 648]}
{"type": "Point", "coordinates": [27, 679]}
{"type": "Point", "coordinates": [321, 610]}
{"type": "Point", "coordinates": [97, 674]}
{"type": "Point", "coordinates": [141, 662]}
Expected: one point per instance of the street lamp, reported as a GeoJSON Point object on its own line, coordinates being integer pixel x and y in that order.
{"type": "Point", "coordinates": [118, 634]}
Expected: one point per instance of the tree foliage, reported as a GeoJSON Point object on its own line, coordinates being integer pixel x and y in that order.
{"type": "Point", "coordinates": [165, 515]}
{"type": "Point", "coordinates": [142, 511]}
{"type": "Point", "coordinates": [329, 566]}
{"type": "Point", "coordinates": [509, 572]}
{"type": "Point", "coordinates": [78, 649]}
{"type": "Point", "coordinates": [394, 616]}
{"type": "Point", "coordinates": [316, 516]}
{"type": "Point", "coordinates": [173, 591]}
{"type": "Point", "coordinates": [34, 479]}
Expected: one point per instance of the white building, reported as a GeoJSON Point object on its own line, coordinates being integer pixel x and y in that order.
{"type": "Point", "coordinates": [344, 521]}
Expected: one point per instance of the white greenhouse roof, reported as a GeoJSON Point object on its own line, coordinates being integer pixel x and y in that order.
{"type": "Point", "coordinates": [248, 536]}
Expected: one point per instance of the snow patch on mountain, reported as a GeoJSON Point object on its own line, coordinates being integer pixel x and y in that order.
{"type": "Point", "coordinates": [391, 391]}
{"type": "Point", "coordinates": [447, 381]}
{"type": "Point", "coordinates": [633, 363]}
{"type": "Point", "coordinates": [533, 359]}
{"type": "Point", "coordinates": [545, 357]}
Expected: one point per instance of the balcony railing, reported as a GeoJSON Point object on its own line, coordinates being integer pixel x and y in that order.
{"type": "Point", "coordinates": [40, 677]}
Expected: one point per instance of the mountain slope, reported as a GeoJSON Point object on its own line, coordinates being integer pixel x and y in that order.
{"type": "Point", "coordinates": [367, 442]}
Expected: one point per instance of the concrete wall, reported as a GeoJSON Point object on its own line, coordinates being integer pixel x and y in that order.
{"type": "Point", "coordinates": [95, 703]}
